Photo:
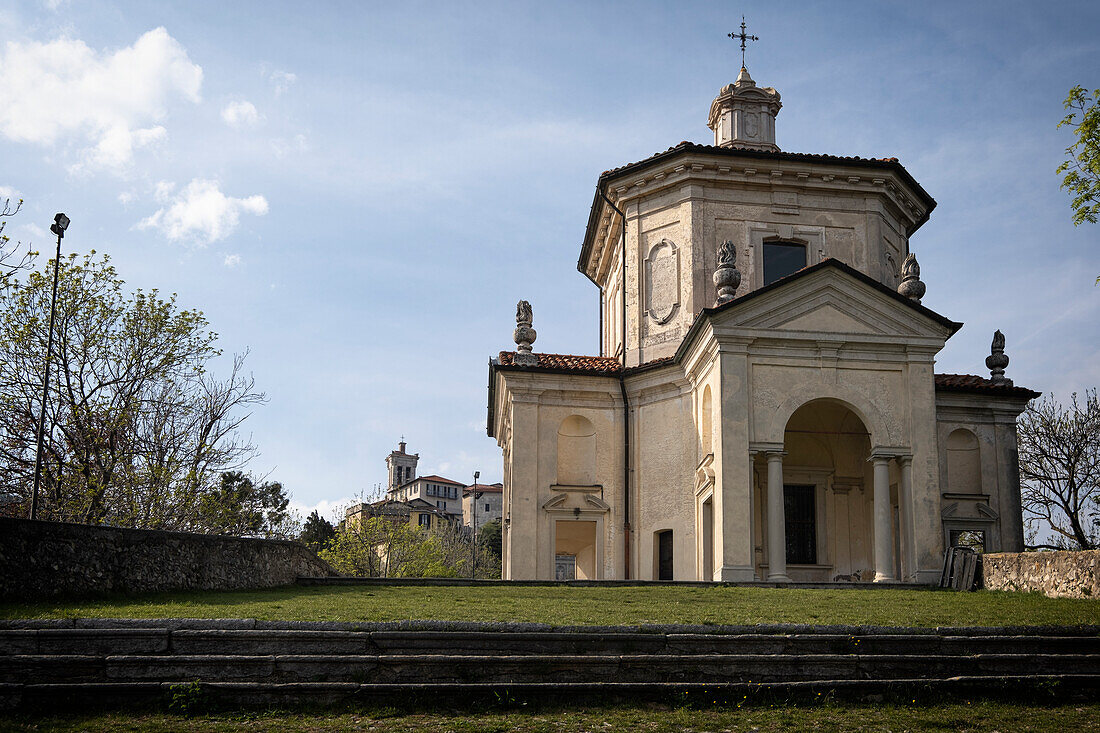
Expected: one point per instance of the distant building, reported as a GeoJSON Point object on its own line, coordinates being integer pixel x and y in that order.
{"type": "Point", "coordinates": [487, 500]}
{"type": "Point", "coordinates": [442, 493]}
{"type": "Point", "coordinates": [416, 512]}
{"type": "Point", "coordinates": [400, 467]}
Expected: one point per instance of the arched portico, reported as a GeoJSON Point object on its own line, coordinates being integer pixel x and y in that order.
{"type": "Point", "coordinates": [835, 501]}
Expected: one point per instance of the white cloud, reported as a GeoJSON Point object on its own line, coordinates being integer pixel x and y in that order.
{"type": "Point", "coordinates": [200, 212]}
{"type": "Point", "coordinates": [126, 198]}
{"type": "Point", "coordinates": [33, 231]}
{"type": "Point", "coordinates": [281, 147]}
{"type": "Point", "coordinates": [7, 192]}
{"type": "Point", "coordinates": [232, 261]}
{"type": "Point", "coordinates": [240, 115]}
{"type": "Point", "coordinates": [162, 191]}
{"type": "Point", "coordinates": [333, 511]}
{"type": "Point", "coordinates": [110, 101]}
{"type": "Point", "coordinates": [282, 80]}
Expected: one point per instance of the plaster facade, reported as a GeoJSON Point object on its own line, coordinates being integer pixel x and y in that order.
{"type": "Point", "coordinates": [794, 431]}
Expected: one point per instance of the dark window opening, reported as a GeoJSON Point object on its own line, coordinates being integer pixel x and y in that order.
{"type": "Point", "coordinates": [801, 524]}
{"type": "Point", "coordinates": [664, 555]}
{"type": "Point", "coordinates": [782, 259]}
{"type": "Point", "coordinates": [972, 538]}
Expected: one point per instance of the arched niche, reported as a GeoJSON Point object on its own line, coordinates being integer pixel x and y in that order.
{"type": "Point", "coordinates": [576, 451]}
{"type": "Point", "coordinates": [706, 422]}
{"type": "Point", "coordinates": [964, 463]}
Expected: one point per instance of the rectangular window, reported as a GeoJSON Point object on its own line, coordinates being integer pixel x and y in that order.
{"type": "Point", "coordinates": [782, 259]}
{"type": "Point", "coordinates": [425, 520]}
{"type": "Point", "coordinates": [801, 524]}
{"type": "Point", "coordinates": [486, 507]}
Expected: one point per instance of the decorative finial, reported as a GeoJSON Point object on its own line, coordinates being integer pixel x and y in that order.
{"type": "Point", "coordinates": [524, 335]}
{"type": "Point", "coordinates": [998, 360]}
{"type": "Point", "coordinates": [726, 275]}
{"type": "Point", "coordinates": [911, 286]}
{"type": "Point", "coordinates": [742, 36]}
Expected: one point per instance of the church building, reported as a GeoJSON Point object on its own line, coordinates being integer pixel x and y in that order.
{"type": "Point", "coordinates": [764, 404]}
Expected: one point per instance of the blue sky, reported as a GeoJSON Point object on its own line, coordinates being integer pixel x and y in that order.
{"type": "Point", "coordinates": [360, 192]}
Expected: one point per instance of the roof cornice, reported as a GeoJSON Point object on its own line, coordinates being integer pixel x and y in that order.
{"type": "Point", "coordinates": [684, 149]}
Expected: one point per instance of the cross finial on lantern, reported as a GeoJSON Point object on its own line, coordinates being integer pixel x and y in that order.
{"type": "Point", "coordinates": [742, 36]}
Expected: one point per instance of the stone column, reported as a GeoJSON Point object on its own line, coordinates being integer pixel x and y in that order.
{"type": "Point", "coordinates": [905, 503]}
{"type": "Point", "coordinates": [777, 530]}
{"type": "Point", "coordinates": [884, 544]}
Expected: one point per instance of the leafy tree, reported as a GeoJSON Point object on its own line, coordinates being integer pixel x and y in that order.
{"type": "Point", "coordinates": [379, 547]}
{"type": "Point", "coordinates": [490, 538]}
{"type": "Point", "coordinates": [1060, 471]}
{"type": "Point", "coordinates": [1082, 169]}
{"type": "Point", "coordinates": [240, 506]}
{"type": "Point", "coordinates": [138, 432]}
{"type": "Point", "coordinates": [317, 531]}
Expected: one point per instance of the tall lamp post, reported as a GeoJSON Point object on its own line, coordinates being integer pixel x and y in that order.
{"type": "Point", "coordinates": [60, 224]}
{"type": "Point", "coordinates": [474, 496]}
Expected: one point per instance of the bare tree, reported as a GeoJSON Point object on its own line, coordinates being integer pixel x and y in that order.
{"type": "Point", "coordinates": [138, 432]}
{"type": "Point", "coordinates": [13, 257]}
{"type": "Point", "coordinates": [1060, 471]}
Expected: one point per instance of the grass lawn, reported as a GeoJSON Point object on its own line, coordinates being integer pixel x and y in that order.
{"type": "Point", "coordinates": [562, 606]}
{"type": "Point", "coordinates": [979, 716]}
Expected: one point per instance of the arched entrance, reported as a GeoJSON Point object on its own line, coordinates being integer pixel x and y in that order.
{"type": "Point", "coordinates": [817, 499]}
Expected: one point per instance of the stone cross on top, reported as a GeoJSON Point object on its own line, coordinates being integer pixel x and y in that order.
{"type": "Point", "coordinates": [742, 36]}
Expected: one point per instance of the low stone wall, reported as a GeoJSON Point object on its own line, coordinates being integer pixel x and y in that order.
{"type": "Point", "coordinates": [49, 559]}
{"type": "Point", "coordinates": [1056, 574]}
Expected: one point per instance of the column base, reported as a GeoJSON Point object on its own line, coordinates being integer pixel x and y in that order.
{"type": "Point", "coordinates": [884, 578]}
{"type": "Point", "coordinates": [736, 574]}
{"type": "Point", "coordinates": [779, 578]}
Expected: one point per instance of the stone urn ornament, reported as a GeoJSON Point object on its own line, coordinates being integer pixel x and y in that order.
{"type": "Point", "coordinates": [998, 360]}
{"type": "Point", "coordinates": [727, 278]}
{"type": "Point", "coordinates": [524, 335]}
{"type": "Point", "coordinates": [911, 286]}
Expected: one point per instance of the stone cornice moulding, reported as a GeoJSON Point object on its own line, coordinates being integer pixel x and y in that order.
{"type": "Point", "coordinates": [587, 488]}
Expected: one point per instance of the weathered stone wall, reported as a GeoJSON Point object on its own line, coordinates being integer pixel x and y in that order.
{"type": "Point", "coordinates": [48, 559]}
{"type": "Point", "coordinates": [1056, 574]}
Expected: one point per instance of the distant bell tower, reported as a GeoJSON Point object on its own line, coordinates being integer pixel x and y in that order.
{"type": "Point", "coordinates": [400, 466]}
{"type": "Point", "coordinates": [743, 114]}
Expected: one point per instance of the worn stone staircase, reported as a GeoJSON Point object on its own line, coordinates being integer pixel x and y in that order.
{"type": "Point", "coordinates": [79, 664]}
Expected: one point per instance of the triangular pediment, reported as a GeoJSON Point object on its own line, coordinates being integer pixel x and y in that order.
{"type": "Point", "coordinates": [831, 300]}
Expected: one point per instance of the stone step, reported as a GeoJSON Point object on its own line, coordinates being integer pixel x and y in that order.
{"type": "Point", "coordinates": [450, 669]}
{"type": "Point", "coordinates": [54, 698]}
{"type": "Point", "coordinates": [150, 641]}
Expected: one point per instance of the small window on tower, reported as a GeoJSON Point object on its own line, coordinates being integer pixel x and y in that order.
{"type": "Point", "coordinates": [782, 259]}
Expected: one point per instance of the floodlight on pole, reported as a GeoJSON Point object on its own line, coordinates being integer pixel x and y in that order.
{"type": "Point", "coordinates": [474, 496]}
{"type": "Point", "coordinates": [60, 224]}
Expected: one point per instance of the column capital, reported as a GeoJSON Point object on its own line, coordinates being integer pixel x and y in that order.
{"type": "Point", "coordinates": [886, 453]}
{"type": "Point", "coordinates": [760, 448]}
{"type": "Point", "coordinates": [905, 459]}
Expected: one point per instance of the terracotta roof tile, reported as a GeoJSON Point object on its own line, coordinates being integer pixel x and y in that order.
{"type": "Point", "coordinates": [980, 385]}
{"type": "Point", "coordinates": [609, 366]}
{"type": "Point", "coordinates": [598, 365]}
{"type": "Point", "coordinates": [433, 477]}
{"type": "Point", "coordinates": [701, 148]}
{"type": "Point", "coordinates": [569, 362]}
